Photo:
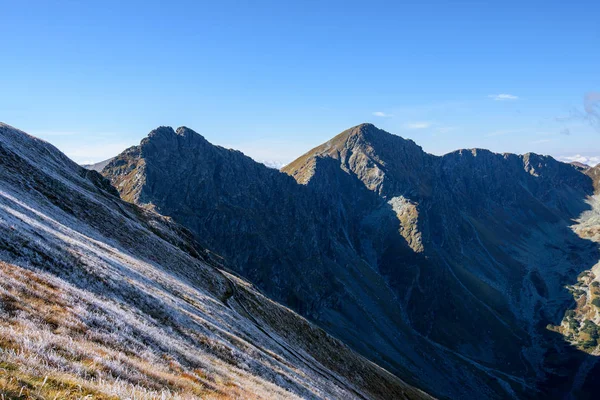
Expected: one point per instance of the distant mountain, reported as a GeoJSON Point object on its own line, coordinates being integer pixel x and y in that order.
{"type": "Point", "coordinates": [444, 270]}
{"type": "Point", "coordinates": [580, 166]}
{"type": "Point", "coordinates": [99, 166]}
{"type": "Point", "coordinates": [102, 299]}
{"type": "Point", "coordinates": [274, 164]}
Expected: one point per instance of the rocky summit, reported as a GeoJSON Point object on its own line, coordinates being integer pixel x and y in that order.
{"type": "Point", "coordinates": [452, 272]}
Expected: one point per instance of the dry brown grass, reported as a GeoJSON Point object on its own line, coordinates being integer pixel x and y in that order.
{"type": "Point", "coordinates": [15, 384]}
{"type": "Point", "coordinates": [50, 350]}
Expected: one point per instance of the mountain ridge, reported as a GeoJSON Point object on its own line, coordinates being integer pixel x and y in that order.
{"type": "Point", "coordinates": [107, 299]}
{"type": "Point", "coordinates": [443, 240]}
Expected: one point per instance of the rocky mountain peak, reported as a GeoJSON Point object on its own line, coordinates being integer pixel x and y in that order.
{"type": "Point", "coordinates": [367, 152]}
{"type": "Point", "coordinates": [162, 132]}
{"type": "Point", "coordinates": [163, 135]}
{"type": "Point", "coordinates": [164, 143]}
{"type": "Point", "coordinates": [356, 133]}
{"type": "Point", "coordinates": [184, 131]}
{"type": "Point", "coordinates": [365, 134]}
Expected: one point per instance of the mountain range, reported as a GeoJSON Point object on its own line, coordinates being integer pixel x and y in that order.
{"type": "Point", "coordinates": [102, 299]}
{"type": "Point", "coordinates": [468, 275]}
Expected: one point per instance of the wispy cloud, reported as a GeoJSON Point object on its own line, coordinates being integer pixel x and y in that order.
{"type": "Point", "coordinates": [382, 114]}
{"type": "Point", "coordinates": [590, 114]}
{"type": "Point", "coordinates": [418, 125]}
{"type": "Point", "coordinates": [589, 160]}
{"type": "Point", "coordinates": [566, 132]}
{"type": "Point", "coordinates": [503, 97]}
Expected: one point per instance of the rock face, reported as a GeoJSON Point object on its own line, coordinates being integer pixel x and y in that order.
{"type": "Point", "coordinates": [259, 219]}
{"type": "Point", "coordinates": [444, 270]}
{"type": "Point", "coordinates": [594, 173]}
{"type": "Point", "coordinates": [101, 298]}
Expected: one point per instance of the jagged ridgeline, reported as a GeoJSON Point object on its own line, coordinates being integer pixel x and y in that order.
{"type": "Point", "coordinates": [444, 270]}
{"type": "Point", "coordinates": [102, 299]}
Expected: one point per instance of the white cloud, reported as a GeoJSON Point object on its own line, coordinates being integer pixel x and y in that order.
{"type": "Point", "coordinates": [503, 97]}
{"type": "Point", "coordinates": [382, 114]}
{"type": "Point", "coordinates": [589, 160]}
{"type": "Point", "coordinates": [418, 125]}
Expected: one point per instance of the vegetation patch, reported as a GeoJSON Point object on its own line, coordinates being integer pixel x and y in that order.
{"type": "Point", "coordinates": [578, 325]}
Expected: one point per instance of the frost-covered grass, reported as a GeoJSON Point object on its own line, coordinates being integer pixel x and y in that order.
{"type": "Point", "coordinates": [101, 298]}
{"type": "Point", "coordinates": [137, 313]}
{"type": "Point", "coordinates": [79, 344]}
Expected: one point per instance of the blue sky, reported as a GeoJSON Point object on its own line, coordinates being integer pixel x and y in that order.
{"type": "Point", "coordinates": [276, 78]}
